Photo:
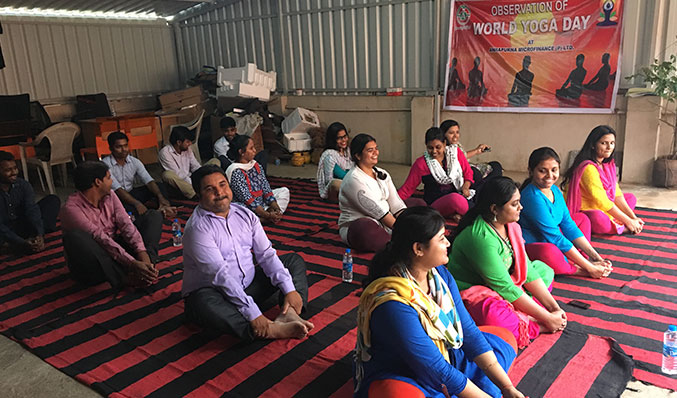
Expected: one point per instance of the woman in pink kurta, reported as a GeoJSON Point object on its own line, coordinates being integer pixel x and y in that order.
{"type": "Point", "coordinates": [446, 176]}
{"type": "Point", "coordinates": [590, 186]}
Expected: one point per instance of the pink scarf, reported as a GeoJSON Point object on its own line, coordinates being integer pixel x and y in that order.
{"type": "Point", "coordinates": [520, 259]}
{"type": "Point", "coordinates": [607, 173]}
{"type": "Point", "coordinates": [477, 294]}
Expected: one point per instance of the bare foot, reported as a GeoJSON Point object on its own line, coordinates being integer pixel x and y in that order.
{"type": "Point", "coordinates": [287, 330]}
{"type": "Point", "coordinates": [597, 271]}
{"type": "Point", "coordinates": [292, 316]}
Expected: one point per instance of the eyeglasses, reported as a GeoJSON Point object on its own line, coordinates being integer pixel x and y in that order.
{"type": "Point", "coordinates": [342, 137]}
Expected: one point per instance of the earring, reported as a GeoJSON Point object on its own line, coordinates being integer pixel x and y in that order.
{"type": "Point", "coordinates": [495, 219]}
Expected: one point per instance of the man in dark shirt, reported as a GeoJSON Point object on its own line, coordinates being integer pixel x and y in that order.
{"type": "Point", "coordinates": [23, 222]}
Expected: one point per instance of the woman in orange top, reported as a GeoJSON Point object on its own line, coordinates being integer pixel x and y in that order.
{"type": "Point", "coordinates": [591, 187]}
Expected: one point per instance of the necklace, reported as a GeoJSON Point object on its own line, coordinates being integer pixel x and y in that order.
{"type": "Point", "coordinates": [505, 241]}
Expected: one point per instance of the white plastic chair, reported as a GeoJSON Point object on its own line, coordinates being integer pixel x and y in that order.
{"type": "Point", "coordinates": [60, 137]}
{"type": "Point", "coordinates": [194, 125]}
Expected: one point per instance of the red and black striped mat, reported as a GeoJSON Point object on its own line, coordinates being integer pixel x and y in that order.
{"type": "Point", "coordinates": [138, 343]}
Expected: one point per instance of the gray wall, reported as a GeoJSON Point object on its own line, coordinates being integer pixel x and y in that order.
{"type": "Point", "coordinates": [56, 58]}
{"type": "Point", "coordinates": [356, 46]}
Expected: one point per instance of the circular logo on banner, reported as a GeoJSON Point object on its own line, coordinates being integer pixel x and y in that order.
{"type": "Point", "coordinates": [463, 15]}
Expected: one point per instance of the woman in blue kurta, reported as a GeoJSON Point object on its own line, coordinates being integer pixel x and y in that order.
{"type": "Point", "coordinates": [549, 231]}
{"type": "Point", "coordinates": [413, 330]}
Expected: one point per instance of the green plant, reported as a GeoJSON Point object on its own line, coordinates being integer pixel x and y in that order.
{"type": "Point", "coordinates": [663, 77]}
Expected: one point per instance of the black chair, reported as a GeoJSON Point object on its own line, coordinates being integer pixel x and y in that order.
{"type": "Point", "coordinates": [39, 118]}
{"type": "Point", "coordinates": [91, 106]}
{"type": "Point", "coordinates": [15, 119]}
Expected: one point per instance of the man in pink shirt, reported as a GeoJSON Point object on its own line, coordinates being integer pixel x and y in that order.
{"type": "Point", "coordinates": [100, 241]}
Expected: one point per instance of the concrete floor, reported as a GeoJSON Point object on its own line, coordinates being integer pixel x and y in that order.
{"type": "Point", "coordinates": [23, 375]}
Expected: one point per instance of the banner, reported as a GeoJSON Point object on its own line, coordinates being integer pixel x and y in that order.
{"type": "Point", "coordinates": [527, 56]}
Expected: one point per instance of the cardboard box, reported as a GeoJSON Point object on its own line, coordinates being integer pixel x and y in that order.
{"type": "Point", "coordinates": [215, 127]}
{"type": "Point", "coordinates": [296, 142]}
{"type": "Point", "coordinates": [182, 98]}
{"type": "Point", "coordinates": [300, 121]}
{"type": "Point", "coordinates": [99, 127]}
{"type": "Point", "coordinates": [147, 155]}
{"type": "Point", "coordinates": [170, 119]}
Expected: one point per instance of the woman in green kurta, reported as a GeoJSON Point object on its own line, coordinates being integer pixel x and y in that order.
{"type": "Point", "coordinates": [491, 267]}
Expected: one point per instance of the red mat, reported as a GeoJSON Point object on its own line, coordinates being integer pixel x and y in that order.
{"type": "Point", "coordinates": [137, 344]}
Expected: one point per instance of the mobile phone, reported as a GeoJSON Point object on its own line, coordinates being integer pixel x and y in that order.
{"type": "Point", "coordinates": [487, 149]}
{"type": "Point", "coordinates": [579, 304]}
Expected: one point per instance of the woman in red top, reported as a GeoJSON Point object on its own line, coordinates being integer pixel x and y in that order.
{"type": "Point", "coordinates": [446, 176]}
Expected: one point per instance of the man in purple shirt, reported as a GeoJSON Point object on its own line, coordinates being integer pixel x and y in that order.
{"type": "Point", "coordinates": [100, 241]}
{"type": "Point", "coordinates": [221, 283]}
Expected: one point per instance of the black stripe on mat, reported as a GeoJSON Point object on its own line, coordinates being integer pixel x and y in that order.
{"type": "Point", "coordinates": [198, 376]}
{"type": "Point", "coordinates": [628, 291]}
{"type": "Point", "coordinates": [602, 299]}
{"type": "Point", "coordinates": [194, 378]}
{"type": "Point", "coordinates": [540, 377]}
{"type": "Point", "coordinates": [36, 272]}
{"type": "Point", "coordinates": [620, 318]}
{"type": "Point", "coordinates": [54, 296]}
{"type": "Point", "coordinates": [129, 376]}
{"type": "Point", "coordinates": [628, 246]}
{"type": "Point", "coordinates": [291, 360]}
{"type": "Point", "coordinates": [626, 339]}
{"type": "Point", "coordinates": [100, 329]}
{"type": "Point", "coordinates": [333, 378]}
{"type": "Point", "coordinates": [85, 311]}
{"type": "Point", "coordinates": [28, 263]}
{"type": "Point", "coordinates": [86, 301]}
{"type": "Point", "coordinates": [610, 382]}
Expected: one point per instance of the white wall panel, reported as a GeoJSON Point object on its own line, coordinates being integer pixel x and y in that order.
{"type": "Point", "coordinates": [52, 58]}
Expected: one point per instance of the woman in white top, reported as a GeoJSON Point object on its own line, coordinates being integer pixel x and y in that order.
{"type": "Point", "coordinates": [334, 162]}
{"type": "Point", "coordinates": [368, 199]}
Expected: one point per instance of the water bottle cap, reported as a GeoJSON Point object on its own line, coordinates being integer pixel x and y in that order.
{"type": "Point", "coordinates": [348, 251]}
{"type": "Point", "coordinates": [176, 220]}
{"type": "Point", "coordinates": [672, 328]}
{"type": "Point", "coordinates": [129, 212]}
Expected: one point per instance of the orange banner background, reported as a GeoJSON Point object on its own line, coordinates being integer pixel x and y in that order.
{"type": "Point", "coordinates": [552, 34]}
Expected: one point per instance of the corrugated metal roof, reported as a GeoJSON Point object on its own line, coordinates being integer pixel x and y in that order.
{"type": "Point", "coordinates": [163, 8]}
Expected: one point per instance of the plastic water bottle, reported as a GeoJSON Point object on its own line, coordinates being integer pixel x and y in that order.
{"type": "Point", "coordinates": [177, 236]}
{"type": "Point", "coordinates": [131, 216]}
{"type": "Point", "coordinates": [347, 275]}
{"type": "Point", "coordinates": [670, 351]}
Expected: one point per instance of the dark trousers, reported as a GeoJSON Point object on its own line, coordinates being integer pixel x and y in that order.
{"type": "Point", "coordinates": [90, 264]}
{"type": "Point", "coordinates": [143, 195]}
{"type": "Point", "coordinates": [496, 171]}
{"type": "Point", "coordinates": [209, 308]}
{"type": "Point", "coordinates": [49, 210]}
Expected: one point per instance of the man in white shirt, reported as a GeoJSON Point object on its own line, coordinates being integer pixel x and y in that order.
{"type": "Point", "coordinates": [221, 146]}
{"type": "Point", "coordinates": [178, 161]}
{"type": "Point", "coordinates": [131, 181]}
